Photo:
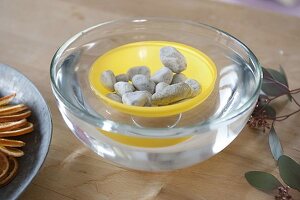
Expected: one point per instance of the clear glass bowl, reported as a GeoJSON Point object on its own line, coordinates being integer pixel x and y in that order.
{"type": "Point", "coordinates": [156, 143]}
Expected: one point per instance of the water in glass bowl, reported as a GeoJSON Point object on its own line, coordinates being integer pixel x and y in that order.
{"type": "Point", "coordinates": [158, 143]}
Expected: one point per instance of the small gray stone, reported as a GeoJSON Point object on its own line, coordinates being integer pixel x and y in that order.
{"type": "Point", "coordinates": [108, 79]}
{"type": "Point", "coordinates": [114, 97]}
{"type": "Point", "coordinates": [171, 94]}
{"type": "Point", "coordinates": [143, 83]}
{"type": "Point", "coordinates": [137, 98]}
{"type": "Point", "coordinates": [172, 59]}
{"type": "Point", "coordinates": [164, 74]}
{"type": "Point", "coordinates": [149, 95]}
{"type": "Point", "coordinates": [177, 78]}
{"type": "Point", "coordinates": [122, 77]}
{"type": "Point", "coordinates": [195, 87]}
{"type": "Point", "coordinates": [160, 86]}
{"type": "Point", "coordinates": [138, 70]}
{"type": "Point", "coordinates": [123, 87]}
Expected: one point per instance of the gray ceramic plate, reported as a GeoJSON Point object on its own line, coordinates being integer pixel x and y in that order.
{"type": "Point", "coordinates": [37, 142]}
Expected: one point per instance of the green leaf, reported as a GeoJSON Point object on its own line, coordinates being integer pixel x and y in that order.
{"type": "Point", "coordinates": [285, 80]}
{"type": "Point", "coordinates": [281, 78]}
{"type": "Point", "coordinates": [266, 73]}
{"type": "Point", "coordinates": [282, 72]}
{"type": "Point", "coordinates": [270, 111]}
{"type": "Point", "coordinates": [272, 88]}
{"type": "Point", "coordinates": [275, 82]}
{"type": "Point", "coordinates": [263, 99]}
{"type": "Point", "coordinates": [274, 144]}
{"type": "Point", "coordinates": [289, 171]}
{"type": "Point", "coordinates": [262, 180]}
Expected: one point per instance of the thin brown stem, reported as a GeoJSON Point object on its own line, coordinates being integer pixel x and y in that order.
{"type": "Point", "coordinates": [271, 99]}
{"type": "Point", "coordinates": [273, 122]}
{"type": "Point", "coordinates": [284, 117]}
{"type": "Point", "coordinates": [295, 90]}
{"type": "Point", "coordinates": [296, 102]}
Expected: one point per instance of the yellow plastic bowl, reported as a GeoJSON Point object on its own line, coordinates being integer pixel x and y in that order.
{"type": "Point", "coordinates": [120, 59]}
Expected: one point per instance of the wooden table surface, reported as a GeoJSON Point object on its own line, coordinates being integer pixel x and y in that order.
{"type": "Point", "coordinates": [30, 33]}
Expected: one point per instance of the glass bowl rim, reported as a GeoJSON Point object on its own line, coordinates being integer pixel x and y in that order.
{"type": "Point", "coordinates": [126, 129]}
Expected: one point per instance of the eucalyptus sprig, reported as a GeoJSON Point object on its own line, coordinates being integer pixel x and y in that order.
{"type": "Point", "coordinates": [264, 117]}
{"type": "Point", "coordinates": [289, 172]}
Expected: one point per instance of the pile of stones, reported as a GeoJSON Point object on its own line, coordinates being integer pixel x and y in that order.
{"type": "Point", "coordinates": [166, 86]}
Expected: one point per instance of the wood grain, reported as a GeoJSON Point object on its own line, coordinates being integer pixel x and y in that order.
{"type": "Point", "coordinates": [30, 33]}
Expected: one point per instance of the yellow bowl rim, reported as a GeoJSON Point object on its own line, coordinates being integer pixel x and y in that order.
{"type": "Point", "coordinates": [169, 110]}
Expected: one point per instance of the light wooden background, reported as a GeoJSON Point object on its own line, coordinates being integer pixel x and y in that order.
{"type": "Point", "coordinates": [32, 30]}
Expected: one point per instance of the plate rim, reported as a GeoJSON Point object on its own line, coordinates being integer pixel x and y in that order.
{"type": "Point", "coordinates": [40, 163]}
